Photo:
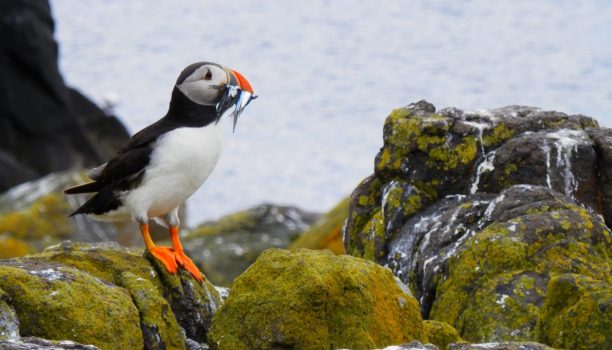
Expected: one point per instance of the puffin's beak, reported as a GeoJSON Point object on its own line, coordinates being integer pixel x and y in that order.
{"type": "Point", "coordinates": [238, 93]}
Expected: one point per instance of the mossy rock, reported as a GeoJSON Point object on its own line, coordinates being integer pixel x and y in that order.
{"type": "Point", "coordinates": [441, 333]}
{"type": "Point", "coordinates": [224, 248]}
{"type": "Point", "coordinates": [308, 299]}
{"type": "Point", "coordinates": [577, 313]}
{"type": "Point", "coordinates": [170, 310]}
{"type": "Point", "coordinates": [496, 287]}
{"type": "Point", "coordinates": [326, 233]}
{"type": "Point", "coordinates": [58, 302]}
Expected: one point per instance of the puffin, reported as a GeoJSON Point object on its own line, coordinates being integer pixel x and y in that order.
{"type": "Point", "coordinates": [165, 163]}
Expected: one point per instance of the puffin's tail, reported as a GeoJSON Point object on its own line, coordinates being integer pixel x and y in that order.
{"type": "Point", "coordinates": [102, 202]}
{"type": "Point", "coordinates": [86, 188]}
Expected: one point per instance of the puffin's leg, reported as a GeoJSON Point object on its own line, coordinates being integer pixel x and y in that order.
{"type": "Point", "coordinates": [173, 222]}
{"type": "Point", "coordinates": [164, 255]}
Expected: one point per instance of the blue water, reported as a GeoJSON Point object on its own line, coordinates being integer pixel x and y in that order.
{"type": "Point", "coordinates": [328, 72]}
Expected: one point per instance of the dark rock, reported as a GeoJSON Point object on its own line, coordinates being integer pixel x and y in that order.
{"type": "Point", "coordinates": [41, 127]}
{"type": "Point", "coordinates": [228, 246]}
{"type": "Point", "coordinates": [479, 211]}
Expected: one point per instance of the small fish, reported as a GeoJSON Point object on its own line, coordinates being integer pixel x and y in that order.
{"type": "Point", "coordinates": [238, 98]}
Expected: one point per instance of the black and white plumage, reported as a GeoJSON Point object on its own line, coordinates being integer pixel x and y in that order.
{"type": "Point", "coordinates": [165, 163]}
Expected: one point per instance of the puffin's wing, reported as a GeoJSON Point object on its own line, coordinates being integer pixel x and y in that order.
{"type": "Point", "coordinates": [121, 172]}
{"type": "Point", "coordinates": [126, 168]}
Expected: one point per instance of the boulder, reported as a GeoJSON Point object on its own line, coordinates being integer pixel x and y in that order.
{"type": "Point", "coordinates": [227, 247]}
{"type": "Point", "coordinates": [326, 233]}
{"type": "Point", "coordinates": [105, 295]}
{"type": "Point", "coordinates": [479, 212]}
{"type": "Point", "coordinates": [441, 334]}
{"type": "Point", "coordinates": [315, 300]}
{"type": "Point", "coordinates": [44, 126]}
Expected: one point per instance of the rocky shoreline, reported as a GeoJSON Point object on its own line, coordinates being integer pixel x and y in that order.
{"type": "Point", "coordinates": [477, 230]}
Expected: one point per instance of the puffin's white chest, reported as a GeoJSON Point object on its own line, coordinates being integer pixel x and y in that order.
{"type": "Point", "coordinates": [180, 163]}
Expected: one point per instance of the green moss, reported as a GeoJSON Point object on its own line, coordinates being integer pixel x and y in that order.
{"type": "Point", "coordinates": [326, 233]}
{"type": "Point", "coordinates": [373, 236]}
{"type": "Point", "coordinates": [160, 328]}
{"type": "Point", "coordinates": [441, 334]}
{"type": "Point", "coordinates": [497, 135]}
{"type": "Point", "coordinates": [44, 300]}
{"type": "Point", "coordinates": [451, 157]}
{"type": "Point", "coordinates": [576, 313]}
{"type": "Point", "coordinates": [312, 300]}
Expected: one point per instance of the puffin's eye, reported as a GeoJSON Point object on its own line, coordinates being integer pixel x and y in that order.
{"type": "Point", "coordinates": [208, 75]}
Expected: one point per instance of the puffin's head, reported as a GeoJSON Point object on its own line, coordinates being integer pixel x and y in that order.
{"type": "Point", "coordinates": [210, 84]}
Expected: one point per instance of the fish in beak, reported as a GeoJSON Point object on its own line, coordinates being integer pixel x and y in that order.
{"type": "Point", "coordinates": [237, 95]}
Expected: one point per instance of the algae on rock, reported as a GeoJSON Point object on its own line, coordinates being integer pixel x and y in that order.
{"type": "Point", "coordinates": [478, 211]}
{"type": "Point", "coordinates": [313, 299]}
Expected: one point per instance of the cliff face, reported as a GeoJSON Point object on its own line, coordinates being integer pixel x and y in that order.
{"type": "Point", "coordinates": [45, 126]}
{"type": "Point", "coordinates": [487, 214]}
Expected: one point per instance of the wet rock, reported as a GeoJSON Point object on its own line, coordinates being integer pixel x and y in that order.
{"type": "Point", "coordinates": [227, 247]}
{"type": "Point", "coordinates": [478, 211]}
{"type": "Point", "coordinates": [313, 299]}
{"type": "Point", "coordinates": [33, 343]}
{"type": "Point", "coordinates": [326, 233]}
{"type": "Point", "coordinates": [44, 126]}
{"type": "Point", "coordinates": [163, 311]}
{"type": "Point", "coordinates": [500, 346]}
{"type": "Point", "coordinates": [413, 345]}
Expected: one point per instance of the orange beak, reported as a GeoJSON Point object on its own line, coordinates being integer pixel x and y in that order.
{"type": "Point", "coordinates": [243, 83]}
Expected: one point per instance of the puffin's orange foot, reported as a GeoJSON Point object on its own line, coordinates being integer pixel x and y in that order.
{"type": "Point", "coordinates": [188, 265]}
{"type": "Point", "coordinates": [165, 255]}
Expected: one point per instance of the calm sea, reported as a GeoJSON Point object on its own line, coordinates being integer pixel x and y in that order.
{"type": "Point", "coordinates": [328, 72]}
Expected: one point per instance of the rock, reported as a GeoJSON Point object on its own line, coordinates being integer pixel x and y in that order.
{"type": "Point", "coordinates": [413, 345]}
{"type": "Point", "coordinates": [577, 311]}
{"type": "Point", "coordinates": [33, 343]}
{"type": "Point", "coordinates": [441, 333]}
{"type": "Point", "coordinates": [326, 233]}
{"type": "Point", "coordinates": [34, 215]}
{"type": "Point", "coordinates": [313, 299]}
{"type": "Point", "coordinates": [108, 296]}
{"type": "Point", "coordinates": [227, 247]}
{"type": "Point", "coordinates": [9, 323]}
{"type": "Point", "coordinates": [479, 211]}
{"type": "Point", "coordinates": [500, 346]}
{"type": "Point", "coordinates": [43, 296]}
{"type": "Point", "coordinates": [44, 126]}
